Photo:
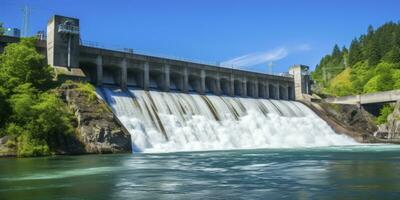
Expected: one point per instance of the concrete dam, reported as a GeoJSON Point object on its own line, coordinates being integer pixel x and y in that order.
{"type": "Point", "coordinates": [172, 105]}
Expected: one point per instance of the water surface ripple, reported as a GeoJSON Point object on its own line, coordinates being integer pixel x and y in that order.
{"type": "Point", "coordinates": [358, 172]}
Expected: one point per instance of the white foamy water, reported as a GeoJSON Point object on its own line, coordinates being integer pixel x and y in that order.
{"type": "Point", "coordinates": [169, 122]}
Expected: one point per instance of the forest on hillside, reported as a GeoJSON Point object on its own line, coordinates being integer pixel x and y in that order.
{"type": "Point", "coordinates": [370, 64]}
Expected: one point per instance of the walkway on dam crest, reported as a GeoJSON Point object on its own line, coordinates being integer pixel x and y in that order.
{"type": "Point", "coordinates": [378, 97]}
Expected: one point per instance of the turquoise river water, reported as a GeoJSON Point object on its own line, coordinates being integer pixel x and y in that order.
{"type": "Point", "coordinates": [358, 172]}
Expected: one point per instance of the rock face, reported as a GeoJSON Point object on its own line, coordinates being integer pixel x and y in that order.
{"type": "Point", "coordinates": [98, 129]}
{"type": "Point", "coordinates": [347, 119]}
{"type": "Point", "coordinates": [393, 123]}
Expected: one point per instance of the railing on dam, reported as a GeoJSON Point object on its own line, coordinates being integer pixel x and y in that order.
{"type": "Point", "coordinates": [135, 51]}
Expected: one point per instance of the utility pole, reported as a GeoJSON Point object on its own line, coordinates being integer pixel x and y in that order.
{"type": "Point", "coordinates": [26, 12]}
{"type": "Point", "coordinates": [269, 66]}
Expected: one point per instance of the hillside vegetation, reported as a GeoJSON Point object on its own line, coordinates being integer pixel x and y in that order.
{"type": "Point", "coordinates": [31, 113]}
{"type": "Point", "coordinates": [371, 64]}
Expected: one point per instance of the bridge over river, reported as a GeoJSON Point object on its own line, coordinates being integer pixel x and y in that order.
{"type": "Point", "coordinates": [372, 98]}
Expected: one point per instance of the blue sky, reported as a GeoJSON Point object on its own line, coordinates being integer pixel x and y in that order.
{"type": "Point", "coordinates": [247, 34]}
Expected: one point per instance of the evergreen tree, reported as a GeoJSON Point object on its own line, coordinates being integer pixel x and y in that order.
{"type": "Point", "coordinates": [373, 52]}
{"type": "Point", "coordinates": [368, 57]}
{"type": "Point", "coordinates": [355, 53]}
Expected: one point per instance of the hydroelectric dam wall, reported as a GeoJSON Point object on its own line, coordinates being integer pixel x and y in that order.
{"type": "Point", "coordinates": [101, 66]}
{"type": "Point", "coordinates": [73, 59]}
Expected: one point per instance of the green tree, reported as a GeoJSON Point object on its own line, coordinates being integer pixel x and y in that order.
{"type": "Point", "coordinates": [372, 85]}
{"type": "Point", "coordinates": [373, 52]}
{"type": "Point", "coordinates": [384, 113]}
{"type": "Point", "coordinates": [393, 56]}
{"type": "Point", "coordinates": [360, 74]}
{"type": "Point", "coordinates": [20, 63]}
{"type": "Point", "coordinates": [355, 53]}
{"type": "Point", "coordinates": [28, 109]}
{"type": "Point", "coordinates": [4, 108]}
{"type": "Point", "coordinates": [373, 59]}
{"type": "Point", "coordinates": [38, 118]}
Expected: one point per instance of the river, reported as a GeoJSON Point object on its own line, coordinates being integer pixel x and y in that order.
{"type": "Point", "coordinates": [351, 172]}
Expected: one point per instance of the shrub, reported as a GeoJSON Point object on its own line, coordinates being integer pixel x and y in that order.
{"type": "Point", "coordinates": [384, 113]}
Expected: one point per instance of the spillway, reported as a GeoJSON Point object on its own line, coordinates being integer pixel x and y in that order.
{"type": "Point", "coordinates": [172, 121]}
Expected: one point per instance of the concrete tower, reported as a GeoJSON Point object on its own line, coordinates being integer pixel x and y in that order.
{"type": "Point", "coordinates": [63, 42]}
{"type": "Point", "coordinates": [301, 80]}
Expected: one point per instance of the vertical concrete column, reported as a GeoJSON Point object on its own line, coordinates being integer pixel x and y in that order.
{"type": "Point", "coordinates": [202, 81]}
{"type": "Point", "coordinates": [255, 93]}
{"type": "Point", "coordinates": [99, 70]}
{"type": "Point", "coordinates": [185, 80]}
{"type": "Point", "coordinates": [266, 91]}
{"type": "Point", "coordinates": [278, 89]}
{"type": "Point", "coordinates": [217, 84]}
{"type": "Point", "coordinates": [146, 75]}
{"type": "Point", "coordinates": [284, 91]}
{"type": "Point", "coordinates": [166, 78]}
{"type": "Point", "coordinates": [124, 73]}
{"type": "Point", "coordinates": [287, 91]}
{"type": "Point", "coordinates": [244, 87]}
{"type": "Point", "coordinates": [293, 92]}
{"type": "Point", "coordinates": [232, 85]}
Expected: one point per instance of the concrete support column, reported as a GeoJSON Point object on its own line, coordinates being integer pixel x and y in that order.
{"type": "Point", "coordinates": [278, 90]}
{"type": "Point", "coordinates": [293, 92]}
{"type": "Point", "coordinates": [284, 92]}
{"type": "Point", "coordinates": [255, 93]}
{"type": "Point", "coordinates": [185, 80]}
{"type": "Point", "coordinates": [218, 85]}
{"type": "Point", "coordinates": [99, 70]}
{"type": "Point", "coordinates": [266, 89]}
{"type": "Point", "coordinates": [146, 76]}
{"type": "Point", "coordinates": [124, 73]}
{"type": "Point", "coordinates": [202, 81]}
{"type": "Point", "coordinates": [166, 78]}
{"type": "Point", "coordinates": [232, 85]}
{"type": "Point", "coordinates": [244, 87]}
{"type": "Point", "coordinates": [287, 91]}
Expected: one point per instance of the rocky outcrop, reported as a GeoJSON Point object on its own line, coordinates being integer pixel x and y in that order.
{"type": "Point", "coordinates": [351, 120]}
{"type": "Point", "coordinates": [97, 128]}
{"type": "Point", "coordinates": [393, 123]}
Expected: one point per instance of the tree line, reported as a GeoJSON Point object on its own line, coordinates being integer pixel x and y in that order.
{"type": "Point", "coordinates": [370, 64]}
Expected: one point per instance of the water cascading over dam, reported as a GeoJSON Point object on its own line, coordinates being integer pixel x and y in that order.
{"type": "Point", "coordinates": [170, 121]}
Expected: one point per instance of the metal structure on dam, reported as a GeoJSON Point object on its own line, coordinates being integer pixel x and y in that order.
{"type": "Point", "coordinates": [101, 66]}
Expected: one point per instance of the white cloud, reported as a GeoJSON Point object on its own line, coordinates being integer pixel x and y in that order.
{"type": "Point", "coordinates": [256, 58]}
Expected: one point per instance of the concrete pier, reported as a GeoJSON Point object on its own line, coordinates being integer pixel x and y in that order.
{"type": "Point", "coordinates": [146, 76]}
{"type": "Point", "coordinates": [99, 70]}
{"type": "Point", "coordinates": [166, 78]}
